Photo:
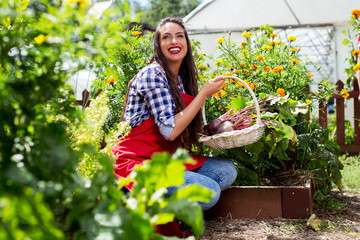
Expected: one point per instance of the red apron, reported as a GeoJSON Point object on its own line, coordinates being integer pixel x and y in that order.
{"type": "Point", "coordinates": [142, 142]}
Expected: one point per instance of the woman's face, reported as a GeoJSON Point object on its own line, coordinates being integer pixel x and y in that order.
{"type": "Point", "coordinates": [173, 42]}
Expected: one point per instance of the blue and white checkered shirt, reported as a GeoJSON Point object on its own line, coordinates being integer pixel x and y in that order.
{"type": "Point", "coordinates": [150, 95]}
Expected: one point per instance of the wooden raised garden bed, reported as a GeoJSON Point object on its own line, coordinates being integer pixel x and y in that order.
{"type": "Point", "coordinates": [265, 202]}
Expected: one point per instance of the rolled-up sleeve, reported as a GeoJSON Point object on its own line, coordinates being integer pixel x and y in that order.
{"type": "Point", "coordinates": [155, 89]}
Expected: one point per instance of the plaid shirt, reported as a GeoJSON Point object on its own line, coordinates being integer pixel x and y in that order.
{"type": "Point", "coordinates": [150, 95]}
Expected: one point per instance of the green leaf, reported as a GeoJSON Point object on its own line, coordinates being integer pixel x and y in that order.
{"type": "Point", "coordinates": [194, 193]}
{"type": "Point", "coordinates": [238, 103]}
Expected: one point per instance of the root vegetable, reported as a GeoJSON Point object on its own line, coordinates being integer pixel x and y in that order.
{"type": "Point", "coordinates": [214, 125]}
{"type": "Point", "coordinates": [225, 126]}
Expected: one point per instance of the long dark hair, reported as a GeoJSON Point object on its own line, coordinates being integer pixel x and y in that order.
{"type": "Point", "coordinates": [190, 77]}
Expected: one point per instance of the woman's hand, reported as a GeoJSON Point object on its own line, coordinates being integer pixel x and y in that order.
{"type": "Point", "coordinates": [212, 86]}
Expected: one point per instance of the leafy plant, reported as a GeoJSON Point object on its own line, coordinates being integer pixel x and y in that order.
{"type": "Point", "coordinates": [352, 35]}
{"type": "Point", "coordinates": [272, 69]}
{"type": "Point", "coordinates": [42, 196]}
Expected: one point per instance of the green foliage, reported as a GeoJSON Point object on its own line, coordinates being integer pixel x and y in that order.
{"type": "Point", "coordinates": [42, 196]}
{"type": "Point", "coordinates": [351, 172]}
{"type": "Point", "coordinates": [128, 52]}
{"type": "Point", "coordinates": [351, 36]}
{"type": "Point", "coordinates": [292, 140]}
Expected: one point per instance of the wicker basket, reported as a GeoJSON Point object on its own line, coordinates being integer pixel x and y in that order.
{"type": "Point", "coordinates": [236, 138]}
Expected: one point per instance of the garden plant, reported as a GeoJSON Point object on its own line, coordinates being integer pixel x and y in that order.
{"type": "Point", "coordinates": [42, 193]}
{"type": "Point", "coordinates": [293, 140]}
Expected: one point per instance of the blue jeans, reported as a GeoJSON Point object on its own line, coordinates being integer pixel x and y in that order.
{"type": "Point", "coordinates": [215, 174]}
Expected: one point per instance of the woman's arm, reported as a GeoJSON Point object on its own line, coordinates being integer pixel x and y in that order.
{"type": "Point", "coordinates": [184, 118]}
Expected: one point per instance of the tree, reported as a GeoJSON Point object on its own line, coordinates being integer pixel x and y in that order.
{"type": "Point", "coordinates": [165, 8]}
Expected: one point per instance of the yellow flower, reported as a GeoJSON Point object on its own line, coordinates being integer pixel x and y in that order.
{"type": "Point", "coordinates": [355, 13]}
{"type": "Point", "coordinates": [136, 33]}
{"type": "Point", "coordinates": [246, 34]}
{"type": "Point", "coordinates": [110, 80]}
{"type": "Point", "coordinates": [355, 53]}
{"type": "Point", "coordinates": [344, 93]}
{"type": "Point", "coordinates": [293, 49]}
{"type": "Point", "coordinates": [356, 67]}
{"type": "Point", "coordinates": [266, 47]}
{"type": "Point", "coordinates": [261, 58]}
{"type": "Point", "coordinates": [292, 38]}
{"type": "Point", "coordinates": [308, 102]}
{"type": "Point", "coordinates": [294, 60]}
{"type": "Point", "coordinates": [309, 74]}
{"type": "Point", "coordinates": [218, 62]}
{"type": "Point", "coordinates": [278, 69]}
{"type": "Point", "coordinates": [40, 39]}
{"type": "Point", "coordinates": [81, 3]}
{"type": "Point", "coordinates": [202, 67]}
{"type": "Point", "coordinates": [243, 51]}
{"type": "Point", "coordinates": [228, 66]}
{"type": "Point", "coordinates": [220, 40]}
{"type": "Point", "coordinates": [281, 92]}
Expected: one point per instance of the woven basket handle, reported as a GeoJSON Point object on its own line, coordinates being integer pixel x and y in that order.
{"type": "Point", "coordinates": [258, 120]}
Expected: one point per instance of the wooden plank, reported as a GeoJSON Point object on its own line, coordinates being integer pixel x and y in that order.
{"type": "Point", "coordinates": [340, 116]}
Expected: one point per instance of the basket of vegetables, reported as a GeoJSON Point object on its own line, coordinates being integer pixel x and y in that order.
{"type": "Point", "coordinates": [233, 130]}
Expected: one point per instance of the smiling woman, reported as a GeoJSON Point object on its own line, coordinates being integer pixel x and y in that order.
{"type": "Point", "coordinates": [162, 107]}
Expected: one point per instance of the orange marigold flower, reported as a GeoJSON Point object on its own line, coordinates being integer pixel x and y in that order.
{"type": "Point", "coordinates": [219, 94]}
{"type": "Point", "coordinates": [344, 93]}
{"type": "Point", "coordinates": [136, 33]}
{"type": "Point", "coordinates": [272, 43]}
{"type": "Point", "coordinates": [254, 66]}
{"type": "Point", "coordinates": [309, 74]}
{"type": "Point", "coordinates": [355, 13]}
{"type": "Point", "coordinates": [110, 80]}
{"type": "Point", "coordinates": [267, 69]}
{"type": "Point", "coordinates": [273, 35]}
{"type": "Point", "coordinates": [228, 74]}
{"type": "Point", "coordinates": [237, 71]}
{"type": "Point", "coordinates": [355, 53]}
{"type": "Point", "coordinates": [281, 92]}
{"type": "Point", "coordinates": [293, 49]}
{"type": "Point", "coordinates": [203, 66]}
{"type": "Point", "coordinates": [261, 58]}
{"type": "Point", "coordinates": [223, 85]}
{"type": "Point", "coordinates": [231, 80]}
{"type": "Point", "coordinates": [242, 64]}
{"type": "Point", "coordinates": [294, 60]}
{"type": "Point", "coordinates": [278, 69]}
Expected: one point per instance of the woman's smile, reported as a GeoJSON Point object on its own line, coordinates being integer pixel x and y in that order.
{"type": "Point", "coordinates": [173, 43]}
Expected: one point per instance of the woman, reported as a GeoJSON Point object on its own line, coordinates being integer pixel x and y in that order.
{"type": "Point", "coordinates": [162, 107]}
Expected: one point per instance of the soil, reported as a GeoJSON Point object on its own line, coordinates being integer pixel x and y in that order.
{"type": "Point", "coordinates": [342, 223]}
